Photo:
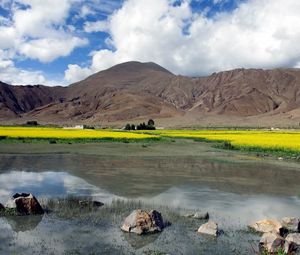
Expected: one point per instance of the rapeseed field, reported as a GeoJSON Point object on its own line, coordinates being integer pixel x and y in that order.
{"type": "Point", "coordinates": [264, 139]}
{"type": "Point", "coordinates": [59, 133]}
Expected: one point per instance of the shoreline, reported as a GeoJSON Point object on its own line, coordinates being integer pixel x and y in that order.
{"type": "Point", "coordinates": [223, 145]}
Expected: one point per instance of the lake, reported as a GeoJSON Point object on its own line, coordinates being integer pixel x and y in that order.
{"type": "Point", "coordinates": [236, 189]}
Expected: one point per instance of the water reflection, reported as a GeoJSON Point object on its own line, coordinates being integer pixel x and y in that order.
{"type": "Point", "coordinates": [132, 177]}
{"type": "Point", "coordinates": [47, 184]}
{"type": "Point", "coordinates": [233, 210]}
{"type": "Point", "coordinates": [234, 193]}
{"type": "Point", "coordinates": [23, 223]}
{"type": "Point", "coordinates": [237, 208]}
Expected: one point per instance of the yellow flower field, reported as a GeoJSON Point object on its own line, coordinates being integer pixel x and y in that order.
{"type": "Point", "coordinates": [274, 140]}
{"type": "Point", "coordinates": [59, 133]}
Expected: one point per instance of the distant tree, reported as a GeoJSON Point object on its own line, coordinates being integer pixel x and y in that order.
{"type": "Point", "coordinates": [132, 127]}
{"type": "Point", "coordinates": [32, 123]}
{"type": "Point", "coordinates": [127, 127]}
{"type": "Point", "coordinates": [143, 126]}
{"type": "Point", "coordinates": [150, 127]}
{"type": "Point", "coordinates": [151, 122]}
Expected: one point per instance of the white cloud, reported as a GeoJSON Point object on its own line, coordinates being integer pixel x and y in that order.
{"type": "Point", "coordinates": [48, 49]}
{"type": "Point", "coordinates": [38, 31]}
{"type": "Point", "coordinates": [98, 26]}
{"type": "Point", "coordinates": [259, 33]}
{"type": "Point", "coordinates": [16, 76]}
{"type": "Point", "coordinates": [75, 73]}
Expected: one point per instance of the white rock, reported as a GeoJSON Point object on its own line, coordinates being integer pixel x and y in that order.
{"type": "Point", "coordinates": [209, 228]}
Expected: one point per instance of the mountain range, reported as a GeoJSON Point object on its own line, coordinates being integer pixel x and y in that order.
{"type": "Point", "coordinates": [134, 91]}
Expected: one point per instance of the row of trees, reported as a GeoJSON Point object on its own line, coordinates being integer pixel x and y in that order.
{"type": "Point", "coordinates": [142, 126]}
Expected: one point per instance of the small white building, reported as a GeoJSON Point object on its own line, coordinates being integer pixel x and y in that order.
{"type": "Point", "coordinates": [76, 127]}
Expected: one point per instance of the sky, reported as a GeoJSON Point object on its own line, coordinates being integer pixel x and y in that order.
{"type": "Point", "coordinates": [58, 42]}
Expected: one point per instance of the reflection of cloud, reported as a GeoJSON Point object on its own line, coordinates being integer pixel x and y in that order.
{"type": "Point", "coordinates": [49, 184]}
{"type": "Point", "coordinates": [229, 208]}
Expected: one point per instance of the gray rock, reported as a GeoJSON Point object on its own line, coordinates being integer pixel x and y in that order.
{"type": "Point", "coordinates": [271, 242]}
{"type": "Point", "coordinates": [209, 228]}
{"type": "Point", "coordinates": [293, 238]}
{"type": "Point", "coordinates": [1, 207]}
{"type": "Point", "coordinates": [141, 222]}
{"type": "Point", "coordinates": [201, 215]}
{"type": "Point", "coordinates": [267, 226]}
{"type": "Point", "coordinates": [189, 215]}
{"type": "Point", "coordinates": [90, 203]}
{"type": "Point", "coordinates": [292, 224]}
{"type": "Point", "coordinates": [198, 215]}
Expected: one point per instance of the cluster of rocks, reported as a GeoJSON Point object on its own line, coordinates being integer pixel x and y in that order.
{"type": "Point", "coordinates": [278, 235]}
{"type": "Point", "coordinates": [23, 204]}
{"type": "Point", "coordinates": [283, 235]}
{"type": "Point", "coordinates": [142, 222]}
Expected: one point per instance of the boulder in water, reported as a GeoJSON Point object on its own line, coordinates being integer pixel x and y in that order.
{"type": "Point", "coordinates": [209, 228]}
{"type": "Point", "coordinates": [142, 222]}
{"type": "Point", "coordinates": [268, 226]}
{"type": "Point", "coordinates": [271, 242]}
{"type": "Point", "coordinates": [292, 224]}
{"type": "Point", "coordinates": [25, 204]}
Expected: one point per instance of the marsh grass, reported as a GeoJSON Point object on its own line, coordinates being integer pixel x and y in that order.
{"type": "Point", "coordinates": [116, 211]}
{"type": "Point", "coordinates": [8, 212]}
{"type": "Point", "coordinates": [89, 224]}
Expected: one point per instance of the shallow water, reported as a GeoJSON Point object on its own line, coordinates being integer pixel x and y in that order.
{"type": "Point", "coordinates": [234, 192]}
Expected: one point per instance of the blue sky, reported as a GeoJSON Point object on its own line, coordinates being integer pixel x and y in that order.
{"type": "Point", "coordinates": [63, 41]}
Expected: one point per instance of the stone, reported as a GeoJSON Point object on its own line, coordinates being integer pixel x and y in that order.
{"type": "Point", "coordinates": [97, 204]}
{"type": "Point", "coordinates": [209, 228]}
{"type": "Point", "coordinates": [293, 238]}
{"type": "Point", "coordinates": [271, 242]}
{"type": "Point", "coordinates": [268, 226]}
{"type": "Point", "coordinates": [292, 224]}
{"type": "Point", "coordinates": [197, 215]}
{"type": "Point", "coordinates": [189, 215]}
{"type": "Point", "coordinates": [141, 222]}
{"type": "Point", "coordinates": [201, 216]}
{"type": "Point", "coordinates": [90, 203]}
{"type": "Point", "coordinates": [2, 207]}
{"type": "Point", "coordinates": [25, 204]}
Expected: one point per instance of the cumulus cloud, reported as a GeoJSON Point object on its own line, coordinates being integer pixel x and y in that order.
{"type": "Point", "coordinates": [13, 75]}
{"type": "Point", "coordinates": [98, 26]}
{"type": "Point", "coordinates": [258, 34]}
{"type": "Point", "coordinates": [35, 30]}
{"type": "Point", "coordinates": [75, 73]}
{"type": "Point", "coordinates": [48, 49]}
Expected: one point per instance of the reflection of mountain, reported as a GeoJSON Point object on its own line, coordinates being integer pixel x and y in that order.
{"type": "Point", "coordinates": [150, 176]}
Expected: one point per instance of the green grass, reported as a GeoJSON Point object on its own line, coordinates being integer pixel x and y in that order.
{"type": "Point", "coordinates": [8, 212]}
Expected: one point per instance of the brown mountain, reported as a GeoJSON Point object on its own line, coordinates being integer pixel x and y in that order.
{"type": "Point", "coordinates": [136, 91]}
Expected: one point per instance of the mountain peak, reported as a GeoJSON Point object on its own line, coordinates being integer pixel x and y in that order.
{"type": "Point", "coordinates": [133, 66]}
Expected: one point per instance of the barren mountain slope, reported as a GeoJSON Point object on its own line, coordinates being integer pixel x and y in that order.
{"type": "Point", "coordinates": [135, 90]}
{"type": "Point", "coordinates": [17, 100]}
